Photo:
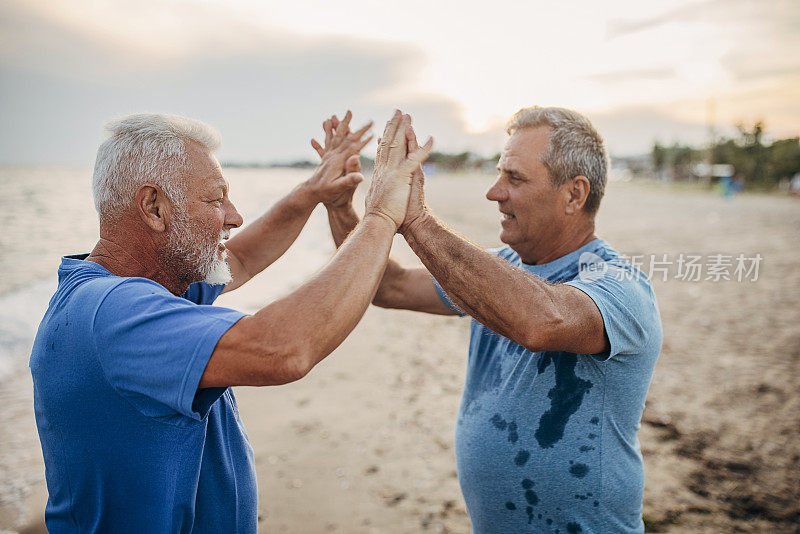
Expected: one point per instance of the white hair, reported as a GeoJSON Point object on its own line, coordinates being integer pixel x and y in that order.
{"type": "Point", "coordinates": [145, 147]}
{"type": "Point", "coordinates": [576, 149]}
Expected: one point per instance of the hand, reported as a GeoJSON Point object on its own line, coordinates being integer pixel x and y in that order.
{"type": "Point", "coordinates": [416, 201]}
{"type": "Point", "coordinates": [389, 192]}
{"type": "Point", "coordinates": [339, 173]}
{"type": "Point", "coordinates": [352, 174]}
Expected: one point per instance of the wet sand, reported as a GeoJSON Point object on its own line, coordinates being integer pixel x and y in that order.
{"type": "Point", "coordinates": [365, 442]}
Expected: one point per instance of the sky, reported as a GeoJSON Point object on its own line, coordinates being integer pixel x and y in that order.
{"type": "Point", "coordinates": [266, 74]}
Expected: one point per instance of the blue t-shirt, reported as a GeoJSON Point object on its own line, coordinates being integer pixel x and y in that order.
{"type": "Point", "coordinates": [129, 442]}
{"type": "Point", "coordinates": [547, 440]}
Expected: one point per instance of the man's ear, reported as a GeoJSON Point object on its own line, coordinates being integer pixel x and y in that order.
{"type": "Point", "coordinates": [152, 206]}
{"type": "Point", "coordinates": [576, 191]}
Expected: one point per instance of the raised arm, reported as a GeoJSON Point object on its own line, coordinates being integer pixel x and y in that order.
{"type": "Point", "coordinates": [265, 240]}
{"type": "Point", "coordinates": [401, 287]}
{"type": "Point", "coordinates": [528, 310]}
{"type": "Point", "coordinates": [285, 340]}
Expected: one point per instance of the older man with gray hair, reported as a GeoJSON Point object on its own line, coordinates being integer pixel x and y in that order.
{"type": "Point", "coordinates": [131, 363]}
{"type": "Point", "coordinates": [565, 336]}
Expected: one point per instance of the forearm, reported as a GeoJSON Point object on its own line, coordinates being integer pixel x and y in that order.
{"type": "Point", "coordinates": [342, 221]}
{"type": "Point", "coordinates": [322, 312]}
{"type": "Point", "coordinates": [266, 239]}
{"type": "Point", "coordinates": [483, 285]}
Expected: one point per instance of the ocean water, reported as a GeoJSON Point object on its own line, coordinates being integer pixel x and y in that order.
{"type": "Point", "coordinates": [47, 213]}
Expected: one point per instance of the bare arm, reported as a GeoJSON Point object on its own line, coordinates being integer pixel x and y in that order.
{"type": "Point", "coordinates": [401, 287]}
{"type": "Point", "coordinates": [266, 239]}
{"type": "Point", "coordinates": [528, 310]}
{"type": "Point", "coordinates": [284, 341]}
{"type": "Point", "coordinates": [262, 242]}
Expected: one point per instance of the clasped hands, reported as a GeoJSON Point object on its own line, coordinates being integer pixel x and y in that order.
{"type": "Point", "coordinates": [396, 191]}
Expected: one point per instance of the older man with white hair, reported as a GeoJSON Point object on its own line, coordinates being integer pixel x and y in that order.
{"type": "Point", "coordinates": [131, 363]}
{"type": "Point", "coordinates": [565, 335]}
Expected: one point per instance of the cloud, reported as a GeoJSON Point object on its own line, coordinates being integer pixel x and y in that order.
{"type": "Point", "coordinates": [266, 91]}
{"type": "Point", "coordinates": [622, 27]}
{"type": "Point", "coordinates": [66, 67]}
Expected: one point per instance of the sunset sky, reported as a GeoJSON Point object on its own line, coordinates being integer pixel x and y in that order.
{"type": "Point", "coordinates": [267, 73]}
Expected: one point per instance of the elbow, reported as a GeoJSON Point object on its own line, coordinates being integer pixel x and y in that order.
{"type": "Point", "coordinates": [285, 365]}
{"type": "Point", "coordinates": [381, 301]}
{"type": "Point", "coordinates": [299, 364]}
{"type": "Point", "coordinates": [384, 298]}
{"type": "Point", "coordinates": [544, 333]}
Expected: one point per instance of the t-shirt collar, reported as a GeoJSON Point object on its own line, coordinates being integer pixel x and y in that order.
{"type": "Point", "coordinates": [545, 269]}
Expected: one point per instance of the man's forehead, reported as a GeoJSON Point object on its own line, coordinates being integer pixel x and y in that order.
{"type": "Point", "coordinates": [524, 149]}
{"type": "Point", "coordinates": [218, 183]}
{"type": "Point", "coordinates": [204, 167]}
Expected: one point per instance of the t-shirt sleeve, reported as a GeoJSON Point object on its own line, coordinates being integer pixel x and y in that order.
{"type": "Point", "coordinates": [627, 304]}
{"type": "Point", "coordinates": [154, 347]}
{"type": "Point", "coordinates": [446, 299]}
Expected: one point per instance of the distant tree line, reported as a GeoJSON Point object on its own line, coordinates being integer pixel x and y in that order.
{"type": "Point", "coordinates": [757, 164]}
{"type": "Point", "coordinates": [440, 161]}
{"type": "Point", "coordinates": [463, 161]}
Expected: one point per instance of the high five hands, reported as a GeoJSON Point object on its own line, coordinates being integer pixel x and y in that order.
{"type": "Point", "coordinates": [339, 172]}
{"type": "Point", "coordinates": [396, 189]}
{"type": "Point", "coordinates": [394, 165]}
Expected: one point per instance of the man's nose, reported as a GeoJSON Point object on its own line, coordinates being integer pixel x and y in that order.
{"type": "Point", "coordinates": [232, 216]}
{"type": "Point", "coordinates": [496, 193]}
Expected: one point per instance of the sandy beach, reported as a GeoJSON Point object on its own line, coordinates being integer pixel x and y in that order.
{"type": "Point", "coordinates": [364, 444]}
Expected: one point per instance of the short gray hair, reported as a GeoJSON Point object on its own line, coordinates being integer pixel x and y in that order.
{"type": "Point", "coordinates": [576, 149]}
{"type": "Point", "coordinates": [145, 147]}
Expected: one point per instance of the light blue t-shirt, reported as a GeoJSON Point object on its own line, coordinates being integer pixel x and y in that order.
{"type": "Point", "coordinates": [129, 442]}
{"type": "Point", "coordinates": [546, 441]}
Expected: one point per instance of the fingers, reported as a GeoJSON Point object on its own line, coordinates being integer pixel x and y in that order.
{"type": "Point", "coordinates": [355, 136]}
{"type": "Point", "coordinates": [397, 149]}
{"type": "Point", "coordinates": [362, 144]}
{"type": "Point", "coordinates": [328, 127]}
{"type": "Point", "coordinates": [316, 146]}
{"type": "Point", "coordinates": [388, 136]}
{"type": "Point", "coordinates": [413, 146]}
{"type": "Point", "coordinates": [343, 128]}
{"type": "Point", "coordinates": [411, 139]}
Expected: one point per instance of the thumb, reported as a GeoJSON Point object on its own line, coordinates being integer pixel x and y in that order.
{"type": "Point", "coordinates": [353, 164]}
{"type": "Point", "coordinates": [417, 158]}
{"type": "Point", "coordinates": [352, 179]}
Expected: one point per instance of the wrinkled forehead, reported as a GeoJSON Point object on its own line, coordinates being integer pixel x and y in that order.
{"type": "Point", "coordinates": [524, 148]}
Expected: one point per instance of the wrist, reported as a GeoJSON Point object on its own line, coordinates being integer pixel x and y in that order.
{"type": "Point", "coordinates": [381, 219]}
{"type": "Point", "coordinates": [305, 195]}
{"type": "Point", "coordinates": [413, 227]}
{"type": "Point", "coordinates": [339, 205]}
{"type": "Point", "coordinates": [345, 208]}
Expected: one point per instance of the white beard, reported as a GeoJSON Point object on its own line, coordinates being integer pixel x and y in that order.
{"type": "Point", "coordinates": [204, 259]}
{"type": "Point", "coordinates": [219, 273]}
